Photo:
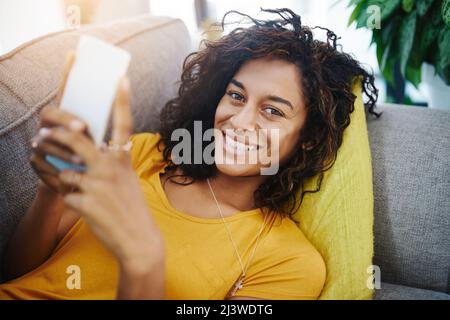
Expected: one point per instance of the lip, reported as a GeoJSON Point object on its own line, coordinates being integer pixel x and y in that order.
{"type": "Point", "coordinates": [239, 139]}
{"type": "Point", "coordinates": [234, 147]}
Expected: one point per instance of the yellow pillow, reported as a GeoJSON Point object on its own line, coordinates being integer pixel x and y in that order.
{"type": "Point", "coordinates": [338, 220]}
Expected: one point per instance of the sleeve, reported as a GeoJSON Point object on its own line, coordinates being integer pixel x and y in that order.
{"type": "Point", "coordinates": [288, 268]}
{"type": "Point", "coordinates": [145, 155]}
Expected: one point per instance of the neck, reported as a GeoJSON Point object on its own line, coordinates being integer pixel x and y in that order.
{"type": "Point", "coordinates": [236, 191]}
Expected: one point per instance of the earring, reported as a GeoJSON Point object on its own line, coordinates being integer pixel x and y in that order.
{"type": "Point", "coordinates": [291, 186]}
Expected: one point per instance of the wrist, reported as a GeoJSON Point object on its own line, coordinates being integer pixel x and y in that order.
{"type": "Point", "coordinates": [49, 196]}
{"type": "Point", "coordinates": [46, 191]}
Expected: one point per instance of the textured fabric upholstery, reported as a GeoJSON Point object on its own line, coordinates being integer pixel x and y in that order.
{"type": "Point", "coordinates": [29, 77]}
{"type": "Point", "coordinates": [411, 174]}
{"type": "Point", "coordinates": [397, 292]}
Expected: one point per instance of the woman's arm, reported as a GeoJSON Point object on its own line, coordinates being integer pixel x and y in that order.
{"type": "Point", "coordinates": [113, 205]}
{"type": "Point", "coordinates": [143, 278]}
{"type": "Point", "coordinates": [48, 219]}
{"type": "Point", "coordinates": [36, 235]}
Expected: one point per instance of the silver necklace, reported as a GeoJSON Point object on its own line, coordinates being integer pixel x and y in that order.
{"type": "Point", "coordinates": [239, 283]}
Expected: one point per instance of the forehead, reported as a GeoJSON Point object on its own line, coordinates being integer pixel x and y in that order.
{"type": "Point", "coordinates": [272, 77]}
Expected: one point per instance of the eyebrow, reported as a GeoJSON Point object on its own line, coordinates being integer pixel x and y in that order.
{"type": "Point", "coordinates": [237, 84]}
{"type": "Point", "coordinates": [281, 100]}
{"type": "Point", "coordinates": [271, 97]}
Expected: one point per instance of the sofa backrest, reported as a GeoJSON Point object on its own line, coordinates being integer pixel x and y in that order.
{"type": "Point", "coordinates": [411, 175]}
{"type": "Point", "coordinates": [30, 75]}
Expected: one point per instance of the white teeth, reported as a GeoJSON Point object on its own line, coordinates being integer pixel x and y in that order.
{"type": "Point", "coordinates": [238, 146]}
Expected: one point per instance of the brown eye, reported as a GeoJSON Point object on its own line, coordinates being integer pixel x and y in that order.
{"type": "Point", "coordinates": [273, 112]}
{"type": "Point", "coordinates": [235, 96]}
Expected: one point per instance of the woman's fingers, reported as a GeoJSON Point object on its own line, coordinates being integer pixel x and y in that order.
{"type": "Point", "coordinates": [72, 178]}
{"type": "Point", "coordinates": [41, 166]}
{"type": "Point", "coordinates": [43, 148]}
{"type": "Point", "coordinates": [80, 203]}
{"type": "Point", "coordinates": [53, 117]}
{"type": "Point", "coordinates": [79, 143]}
{"type": "Point", "coordinates": [81, 181]}
{"type": "Point", "coordinates": [70, 59]}
{"type": "Point", "coordinates": [47, 173]}
{"type": "Point", "coordinates": [122, 116]}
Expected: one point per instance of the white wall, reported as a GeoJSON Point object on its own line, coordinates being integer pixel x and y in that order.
{"type": "Point", "coordinates": [117, 9]}
{"type": "Point", "coordinates": [23, 20]}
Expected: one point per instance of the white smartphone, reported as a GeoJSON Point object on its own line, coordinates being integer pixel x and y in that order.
{"type": "Point", "coordinates": [91, 88]}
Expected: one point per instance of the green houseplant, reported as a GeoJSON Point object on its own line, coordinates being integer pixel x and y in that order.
{"type": "Point", "coordinates": [409, 33]}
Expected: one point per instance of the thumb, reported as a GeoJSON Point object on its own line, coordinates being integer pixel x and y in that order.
{"type": "Point", "coordinates": [122, 116]}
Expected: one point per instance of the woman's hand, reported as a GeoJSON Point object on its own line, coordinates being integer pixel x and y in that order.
{"type": "Point", "coordinates": [109, 196]}
{"type": "Point", "coordinates": [52, 116]}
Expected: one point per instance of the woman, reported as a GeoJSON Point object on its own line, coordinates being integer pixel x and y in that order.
{"type": "Point", "coordinates": [146, 225]}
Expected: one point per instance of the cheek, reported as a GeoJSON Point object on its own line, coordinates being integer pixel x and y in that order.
{"type": "Point", "coordinates": [288, 142]}
{"type": "Point", "coordinates": [221, 112]}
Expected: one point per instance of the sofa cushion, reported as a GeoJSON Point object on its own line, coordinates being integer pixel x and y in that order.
{"type": "Point", "coordinates": [29, 77]}
{"type": "Point", "coordinates": [411, 174]}
{"type": "Point", "coordinates": [338, 220]}
{"type": "Point", "coordinates": [397, 292]}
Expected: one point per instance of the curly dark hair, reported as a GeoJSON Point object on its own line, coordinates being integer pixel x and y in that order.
{"type": "Point", "coordinates": [327, 77]}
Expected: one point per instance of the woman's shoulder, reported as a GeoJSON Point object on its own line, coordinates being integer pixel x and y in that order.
{"type": "Point", "coordinates": [146, 150]}
{"type": "Point", "coordinates": [285, 232]}
{"type": "Point", "coordinates": [286, 266]}
{"type": "Point", "coordinates": [287, 242]}
{"type": "Point", "coordinates": [144, 139]}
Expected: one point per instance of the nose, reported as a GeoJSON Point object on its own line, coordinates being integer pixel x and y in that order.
{"type": "Point", "coordinates": [245, 119]}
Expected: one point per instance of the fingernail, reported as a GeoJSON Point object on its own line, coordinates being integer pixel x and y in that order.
{"type": "Point", "coordinates": [34, 144]}
{"type": "Point", "coordinates": [43, 132]}
{"type": "Point", "coordinates": [76, 159]}
{"type": "Point", "coordinates": [76, 125]}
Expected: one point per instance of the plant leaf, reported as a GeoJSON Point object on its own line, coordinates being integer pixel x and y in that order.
{"type": "Point", "coordinates": [386, 55]}
{"type": "Point", "coordinates": [444, 49]}
{"type": "Point", "coordinates": [387, 7]}
{"type": "Point", "coordinates": [356, 13]}
{"type": "Point", "coordinates": [376, 38]}
{"type": "Point", "coordinates": [361, 20]}
{"type": "Point", "coordinates": [406, 39]}
{"type": "Point", "coordinates": [388, 72]}
{"type": "Point", "coordinates": [423, 6]}
{"type": "Point", "coordinates": [408, 5]}
{"type": "Point", "coordinates": [446, 12]}
{"type": "Point", "coordinates": [353, 2]}
{"type": "Point", "coordinates": [390, 29]}
{"type": "Point", "coordinates": [414, 75]}
{"type": "Point", "coordinates": [426, 36]}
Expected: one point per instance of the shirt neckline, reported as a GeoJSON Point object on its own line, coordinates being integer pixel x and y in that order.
{"type": "Point", "coordinates": [162, 194]}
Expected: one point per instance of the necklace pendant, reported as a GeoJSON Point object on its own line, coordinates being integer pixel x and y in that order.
{"type": "Point", "coordinates": [237, 286]}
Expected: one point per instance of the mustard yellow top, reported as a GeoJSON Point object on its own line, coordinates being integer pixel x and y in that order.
{"type": "Point", "coordinates": [200, 258]}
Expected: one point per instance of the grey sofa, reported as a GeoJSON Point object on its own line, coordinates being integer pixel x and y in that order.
{"type": "Point", "coordinates": [410, 148]}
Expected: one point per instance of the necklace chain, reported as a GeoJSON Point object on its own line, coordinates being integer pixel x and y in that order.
{"type": "Point", "coordinates": [244, 269]}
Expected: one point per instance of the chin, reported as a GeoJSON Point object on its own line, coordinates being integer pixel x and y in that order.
{"type": "Point", "coordinates": [239, 170]}
{"type": "Point", "coordinates": [234, 162]}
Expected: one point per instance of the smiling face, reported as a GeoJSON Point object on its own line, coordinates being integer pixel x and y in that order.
{"type": "Point", "coordinates": [263, 97]}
